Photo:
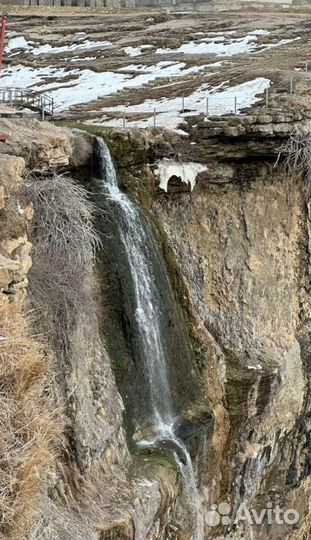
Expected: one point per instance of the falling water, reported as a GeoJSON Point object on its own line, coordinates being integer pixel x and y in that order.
{"type": "Point", "coordinates": [147, 314]}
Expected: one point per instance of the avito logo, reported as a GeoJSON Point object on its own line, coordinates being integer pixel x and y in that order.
{"type": "Point", "coordinates": [219, 514]}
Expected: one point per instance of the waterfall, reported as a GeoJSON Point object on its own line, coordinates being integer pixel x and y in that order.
{"type": "Point", "coordinates": [135, 238]}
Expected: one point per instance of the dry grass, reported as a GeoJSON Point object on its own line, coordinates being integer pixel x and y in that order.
{"type": "Point", "coordinates": [30, 424]}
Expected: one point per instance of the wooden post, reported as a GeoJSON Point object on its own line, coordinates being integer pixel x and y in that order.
{"type": "Point", "coordinates": [183, 104]}
{"type": "Point", "coordinates": [306, 70]}
{"type": "Point", "coordinates": [267, 98]}
{"type": "Point", "coordinates": [42, 109]}
{"type": "Point", "coordinates": [291, 85]}
{"type": "Point", "coordinates": [124, 119]}
{"type": "Point", "coordinates": [235, 104]}
{"type": "Point", "coordinates": [207, 106]}
{"type": "Point", "coordinates": [154, 117]}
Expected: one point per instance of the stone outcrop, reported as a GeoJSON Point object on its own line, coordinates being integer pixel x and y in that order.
{"type": "Point", "coordinates": [44, 145]}
{"type": "Point", "coordinates": [14, 246]}
{"type": "Point", "coordinates": [257, 134]}
{"type": "Point", "coordinates": [243, 251]}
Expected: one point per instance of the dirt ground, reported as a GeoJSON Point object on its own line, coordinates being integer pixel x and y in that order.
{"type": "Point", "coordinates": [282, 48]}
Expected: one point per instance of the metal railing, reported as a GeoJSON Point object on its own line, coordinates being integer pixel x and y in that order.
{"type": "Point", "coordinates": [209, 105]}
{"type": "Point", "coordinates": [32, 100]}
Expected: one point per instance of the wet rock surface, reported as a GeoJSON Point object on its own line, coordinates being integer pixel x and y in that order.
{"type": "Point", "coordinates": [241, 242]}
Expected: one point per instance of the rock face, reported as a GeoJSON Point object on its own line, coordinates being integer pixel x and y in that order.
{"type": "Point", "coordinates": [14, 251]}
{"type": "Point", "coordinates": [43, 145]}
{"type": "Point", "coordinates": [242, 253]}
{"type": "Point", "coordinates": [241, 242]}
{"type": "Point", "coordinates": [243, 249]}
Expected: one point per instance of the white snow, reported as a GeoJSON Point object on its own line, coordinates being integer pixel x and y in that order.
{"type": "Point", "coordinates": [257, 367]}
{"type": "Point", "coordinates": [21, 43]}
{"type": "Point", "coordinates": [166, 69]}
{"type": "Point", "coordinates": [221, 46]}
{"type": "Point", "coordinates": [85, 46]}
{"type": "Point", "coordinates": [136, 51]}
{"type": "Point", "coordinates": [187, 172]}
{"type": "Point", "coordinates": [168, 111]}
{"type": "Point", "coordinates": [25, 77]}
{"type": "Point", "coordinates": [267, 46]}
{"type": "Point", "coordinates": [261, 32]}
{"type": "Point", "coordinates": [82, 59]}
{"type": "Point", "coordinates": [17, 43]}
{"type": "Point", "coordinates": [86, 85]}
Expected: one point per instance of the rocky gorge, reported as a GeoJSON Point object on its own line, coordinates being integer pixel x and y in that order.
{"type": "Point", "coordinates": [228, 246]}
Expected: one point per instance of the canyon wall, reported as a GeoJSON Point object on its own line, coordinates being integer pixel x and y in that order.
{"type": "Point", "coordinates": [237, 251]}
{"type": "Point", "coordinates": [241, 242]}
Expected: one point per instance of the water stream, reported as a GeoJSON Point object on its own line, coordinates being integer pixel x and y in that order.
{"type": "Point", "coordinates": [134, 239]}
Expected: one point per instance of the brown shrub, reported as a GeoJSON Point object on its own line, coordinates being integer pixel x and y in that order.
{"type": "Point", "coordinates": [296, 153]}
{"type": "Point", "coordinates": [64, 245]}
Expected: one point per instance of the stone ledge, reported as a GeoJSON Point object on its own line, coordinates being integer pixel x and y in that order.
{"type": "Point", "coordinates": [252, 135]}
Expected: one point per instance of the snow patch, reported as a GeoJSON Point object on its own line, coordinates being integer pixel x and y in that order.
{"type": "Point", "coordinates": [187, 172]}
{"type": "Point", "coordinates": [82, 59]}
{"type": "Point", "coordinates": [85, 46]}
{"type": "Point", "coordinates": [25, 77]}
{"type": "Point", "coordinates": [86, 85]}
{"type": "Point", "coordinates": [21, 43]}
{"type": "Point", "coordinates": [257, 367]}
{"type": "Point", "coordinates": [136, 51]}
{"type": "Point", "coordinates": [221, 46]}
{"type": "Point", "coordinates": [17, 43]}
{"type": "Point", "coordinates": [168, 110]}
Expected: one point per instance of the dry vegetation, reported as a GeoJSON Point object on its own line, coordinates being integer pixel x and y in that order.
{"type": "Point", "coordinates": [30, 425]}
{"type": "Point", "coordinates": [64, 244]}
{"type": "Point", "coordinates": [296, 153]}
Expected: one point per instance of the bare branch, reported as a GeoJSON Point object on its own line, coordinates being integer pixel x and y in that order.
{"type": "Point", "coordinates": [296, 154]}
{"type": "Point", "coordinates": [64, 244]}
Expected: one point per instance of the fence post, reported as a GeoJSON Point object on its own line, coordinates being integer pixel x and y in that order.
{"type": "Point", "coordinates": [124, 119]}
{"type": "Point", "coordinates": [183, 104]}
{"type": "Point", "coordinates": [42, 109]}
{"type": "Point", "coordinates": [291, 85]}
{"type": "Point", "coordinates": [207, 106]}
{"type": "Point", "coordinates": [154, 117]}
{"type": "Point", "coordinates": [267, 98]}
{"type": "Point", "coordinates": [306, 70]}
{"type": "Point", "coordinates": [235, 104]}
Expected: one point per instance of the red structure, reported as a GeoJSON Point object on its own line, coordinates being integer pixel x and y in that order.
{"type": "Point", "coordinates": [2, 34]}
